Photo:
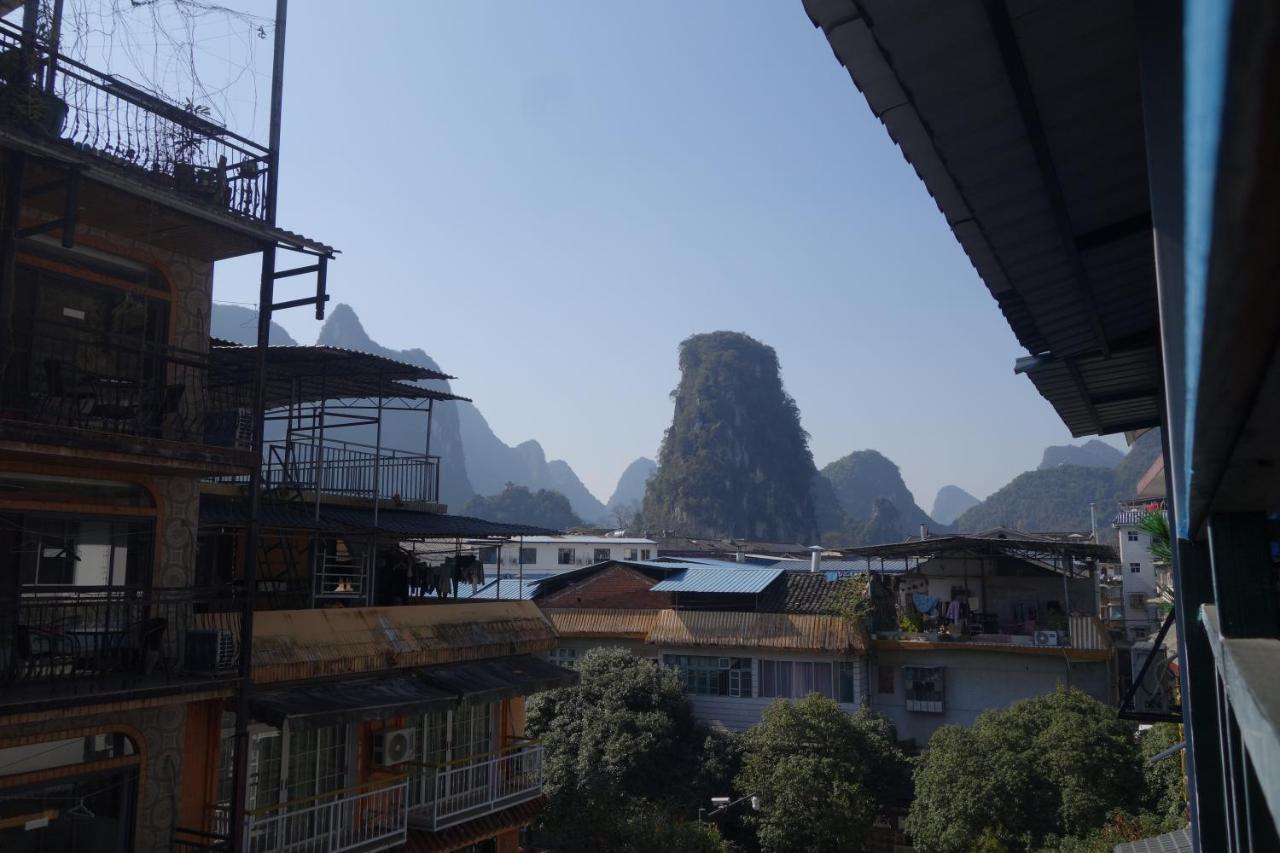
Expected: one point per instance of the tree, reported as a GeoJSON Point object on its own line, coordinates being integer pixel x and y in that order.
{"type": "Point", "coordinates": [625, 734]}
{"type": "Point", "coordinates": [1166, 784]}
{"type": "Point", "coordinates": [821, 775]}
{"type": "Point", "coordinates": [1055, 765]}
{"type": "Point", "coordinates": [518, 505]}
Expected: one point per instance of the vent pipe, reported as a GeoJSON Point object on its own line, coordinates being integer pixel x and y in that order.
{"type": "Point", "coordinates": [815, 557]}
{"type": "Point", "coordinates": [924, 532]}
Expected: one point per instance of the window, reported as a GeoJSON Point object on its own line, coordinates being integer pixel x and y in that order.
{"type": "Point", "coordinates": [1132, 536]}
{"type": "Point", "coordinates": [488, 555]}
{"type": "Point", "coordinates": [1139, 633]}
{"type": "Point", "coordinates": [1137, 601]}
{"type": "Point", "coordinates": [704, 675]}
{"type": "Point", "coordinates": [565, 557]}
{"type": "Point", "coordinates": [884, 679]}
{"type": "Point", "coordinates": [924, 688]}
{"type": "Point", "coordinates": [630, 554]}
{"type": "Point", "coordinates": [644, 553]}
{"type": "Point", "coordinates": [529, 556]}
{"type": "Point", "coordinates": [1135, 568]}
{"type": "Point", "coordinates": [77, 550]}
{"type": "Point", "coordinates": [601, 555]}
{"type": "Point", "coordinates": [847, 681]}
{"type": "Point", "coordinates": [568, 658]}
{"type": "Point", "coordinates": [795, 679]}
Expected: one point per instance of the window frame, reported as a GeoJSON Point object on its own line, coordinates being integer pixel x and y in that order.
{"type": "Point", "coordinates": [566, 556]}
{"type": "Point", "coordinates": [713, 675]}
{"type": "Point", "coordinates": [925, 689]}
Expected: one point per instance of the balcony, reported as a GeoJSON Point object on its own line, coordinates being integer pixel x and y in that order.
{"type": "Point", "coordinates": [78, 641]}
{"type": "Point", "coordinates": [168, 146]}
{"type": "Point", "coordinates": [446, 795]}
{"type": "Point", "coordinates": [94, 388]}
{"type": "Point", "coordinates": [347, 469]}
{"type": "Point", "coordinates": [361, 819]}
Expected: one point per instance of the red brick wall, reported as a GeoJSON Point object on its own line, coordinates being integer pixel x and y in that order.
{"type": "Point", "coordinates": [615, 587]}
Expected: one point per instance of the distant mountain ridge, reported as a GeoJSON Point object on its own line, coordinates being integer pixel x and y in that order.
{"type": "Point", "coordinates": [628, 495]}
{"type": "Point", "coordinates": [950, 503]}
{"type": "Point", "coordinates": [876, 504]}
{"type": "Point", "coordinates": [1091, 454]}
{"type": "Point", "coordinates": [473, 459]}
{"type": "Point", "coordinates": [1056, 499]}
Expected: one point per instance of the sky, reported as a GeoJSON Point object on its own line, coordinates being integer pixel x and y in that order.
{"type": "Point", "coordinates": [548, 197]}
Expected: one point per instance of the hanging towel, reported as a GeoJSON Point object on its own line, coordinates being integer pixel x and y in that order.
{"type": "Point", "coordinates": [923, 602]}
{"type": "Point", "coordinates": [953, 610]}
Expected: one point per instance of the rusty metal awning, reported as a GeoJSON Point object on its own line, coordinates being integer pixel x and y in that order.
{"type": "Point", "coordinates": [482, 681]}
{"type": "Point", "coordinates": [322, 703]}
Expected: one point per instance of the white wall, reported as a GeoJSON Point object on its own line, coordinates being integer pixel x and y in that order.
{"type": "Point", "coordinates": [1141, 582]}
{"type": "Point", "coordinates": [975, 681]}
{"type": "Point", "coordinates": [585, 548]}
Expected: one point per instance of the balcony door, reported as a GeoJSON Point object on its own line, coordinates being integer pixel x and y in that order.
{"type": "Point", "coordinates": [455, 746]}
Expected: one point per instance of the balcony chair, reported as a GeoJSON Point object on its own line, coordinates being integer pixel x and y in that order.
{"type": "Point", "coordinates": [45, 652]}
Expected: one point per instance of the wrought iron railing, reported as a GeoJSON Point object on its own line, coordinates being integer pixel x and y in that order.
{"type": "Point", "coordinates": [91, 638]}
{"type": "Point", "coordinates": [348, 469]}
{"type": "Point", "coordinates": [449, 794]}
{"type": "Point", "coordinates": [367, 817]}
{"type": "Point", "coordinates": [169, 145]}
{"type": "Point", "coordinates": [61, 376]}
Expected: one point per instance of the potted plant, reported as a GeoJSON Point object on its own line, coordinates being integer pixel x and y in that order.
{"type": "Point", "coordinates": [24, 102]}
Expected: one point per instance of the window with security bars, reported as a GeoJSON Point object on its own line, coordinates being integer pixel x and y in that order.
{"type": "Point", "coordinates": [706, 675]}
{"type": "Point", "coordinates": [529, 556]}
{"type": "Point", "coordinates": [317, 761]}
{"type": "Point", "coordinates": [601, 555]}
{"type": "Point", "coordinates": [450, 740]}
{"type": "Point", "coordinates": [924, 687]}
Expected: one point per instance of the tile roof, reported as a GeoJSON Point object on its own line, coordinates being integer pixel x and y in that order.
{"type": "Point", "coordinates": [598, 622]}
{"type": "Point", "coordinates": [719, 579]}
{"type": "Point", "coordinates": [792, 631]}
{"type": "Point", "coordinates": [799, 592]}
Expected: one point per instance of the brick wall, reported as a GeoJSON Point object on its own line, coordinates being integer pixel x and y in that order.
{"type": "Point", "coordinates": [614, 587]}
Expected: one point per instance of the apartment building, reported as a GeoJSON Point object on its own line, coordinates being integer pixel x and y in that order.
{"type": "Point", "coordinates": [538, 556]}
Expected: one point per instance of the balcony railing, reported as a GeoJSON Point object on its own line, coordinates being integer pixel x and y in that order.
{"type": "Point", "coordinates": [364, 818]}
{"type": "Point", "coordinates": [104, 383]}
{"type": "Point", "coordinates": [348, 469]}
{"type": "Point", "coordinates": [446, 795]}
{"type": "Point", "coordinates": [81, 639]}
{"type": "Point", "coordinates": [164, 144]}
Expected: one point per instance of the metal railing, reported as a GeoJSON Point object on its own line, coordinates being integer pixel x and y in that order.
{"type": "Point", "coordinates": [339, 576]}
{"type": "Point", "coordinates": [449, 794]}
{"type": "Point", "coordinates": [83, 639]}
{"type": "Point", "coordinates": [366, 817]}
{"type": "Point", "coordinates": [169, 145]}
{"type": "Point", "coordinates": [348, 469]}
{"type": "Point", "coordinates": [66, 377]}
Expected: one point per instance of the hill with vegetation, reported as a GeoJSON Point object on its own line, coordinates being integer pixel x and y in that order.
{"type": "Point", "coordinates": [875, 505]}
{"type": "Point", "coordinates": [1057, 499]}
{"type": "Point", "coordinates": [518, 505]}
{"type": "Point", "coordinates": [735, 461]}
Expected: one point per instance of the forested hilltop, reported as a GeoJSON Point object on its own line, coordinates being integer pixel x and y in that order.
{"type": "Point", "coordinates": [735, 461]}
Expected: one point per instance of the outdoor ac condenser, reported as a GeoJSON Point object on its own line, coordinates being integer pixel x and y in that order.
{"type": "Point", "coordinates": [1046, 638]}
{"type": "Point", "coordinates": [393, 747]}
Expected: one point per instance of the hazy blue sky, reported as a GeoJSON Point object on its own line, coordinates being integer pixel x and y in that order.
{"type": "Point", "coordinates": [548, 197]}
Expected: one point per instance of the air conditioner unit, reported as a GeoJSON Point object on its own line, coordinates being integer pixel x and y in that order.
{"type": "Point", "coordinates": [1046, 638]}
{"type": "Point", "coordinates": [209, 650]}
{"type": "Point", "coordinates": [393, 747]}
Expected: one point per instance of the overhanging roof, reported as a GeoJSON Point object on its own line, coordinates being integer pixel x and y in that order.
{"type": "Point", "coordinates": [317, 703]}
{"type": "Point", "coordinates": [481, 681]}
{"type": "Point", "coordinates": [1026, 126]}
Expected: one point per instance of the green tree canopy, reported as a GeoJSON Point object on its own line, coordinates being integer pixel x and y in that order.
{"type": "Point", "coordinates": [1056, 765]}
{"type": "Point", "coordinates": [517, 505]}
{"type": "Point", "coordinates": [821, 775]}
{"type": "Point", "coordinates": [620, 745]}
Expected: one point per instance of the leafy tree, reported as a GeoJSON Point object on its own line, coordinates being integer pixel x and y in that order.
{"type": "Point", "coordinates": [625, 734]}
{"type": "Point", "coordinates": [1166, 785]}
{"type": "Point", "coordinates": [518, 505]}
{"type": "Point", "coordinates": [1055, 765]}
{"type": "Point", "coordinates": [821, 775]}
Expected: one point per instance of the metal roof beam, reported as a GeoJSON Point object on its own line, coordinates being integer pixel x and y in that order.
{"type": "Point", "coordinates": [1019, 81]}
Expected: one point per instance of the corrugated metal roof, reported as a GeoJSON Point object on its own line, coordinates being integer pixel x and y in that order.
{"type": "Point", "coordinates": [500, 588]}
{"type": "Point", "coordinates": [791, 631]}
{"type": "Point", "coordinates": [719, 579]}
{"type": "Point", "coordinates": [594, 622]}
{"type": "Point", "coordinates": [1178, 841]}
{"type": "Point", "coordinates": [1026, 127]}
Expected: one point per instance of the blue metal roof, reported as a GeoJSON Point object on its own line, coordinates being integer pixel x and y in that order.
{"type": "Point", "coordinates": [733, 579]}
{"type": "Point", "coordinates": [503, 588]}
